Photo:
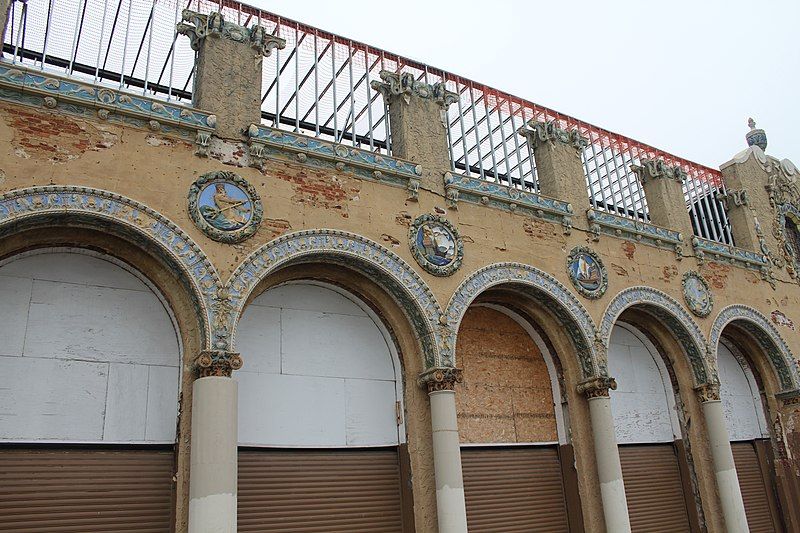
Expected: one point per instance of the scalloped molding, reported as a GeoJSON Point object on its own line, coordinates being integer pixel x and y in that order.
{"type": "Point", "coordinates": [407, 288]}
{"type": "Point", "coordinates": [564, 305]}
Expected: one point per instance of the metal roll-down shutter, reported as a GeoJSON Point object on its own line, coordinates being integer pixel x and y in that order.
{"type": "Point", "coordinates": [756, 493]}
{"type": "Point", "coordinates": [86, 490]}
{"type": "Point", "coordinates": [654, 488]}
{"type": "Point", "coordinates": [514, 489]}
{"type": "Point", "coordinates": [321, 491]}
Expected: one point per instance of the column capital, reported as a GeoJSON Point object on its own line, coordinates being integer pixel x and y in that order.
{"type": "Point", "coordinates": [197, 27]}
{"type": "Point", "coordinates": [656, 169]}
{"type": "Point", "coordinates": [597, 387]}
{"type": "Point", "coordinates": [707, 392]}
{"type": "Point", "coordinates": [405, 85]}
{"type": "Point", "coordinates": [217, 363]}
{"type": "Point", "coordinates": [540, 132]}
{"type": "Point", "coordinates": [440, 379]}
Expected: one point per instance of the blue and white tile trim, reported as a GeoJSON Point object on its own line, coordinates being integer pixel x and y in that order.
{"type": "Point", "coordinates": [705, 249]}
{"type": "Point", "coordinates": [633, 230]}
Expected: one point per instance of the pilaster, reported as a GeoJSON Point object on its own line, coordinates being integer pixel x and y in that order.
{"type": "Point", "coordinates": [227, 80]}
{"type": "Point", "coordinates": [663, 189]}
{"type": "Point", "coordinates": [559, 162]}
{"type": "Point", "coordinates": [418, 124]}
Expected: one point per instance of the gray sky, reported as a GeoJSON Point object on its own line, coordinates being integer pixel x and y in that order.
{"type": "Point", "coordinates": [683, 77]}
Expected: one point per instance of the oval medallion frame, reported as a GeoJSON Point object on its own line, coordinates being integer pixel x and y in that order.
{"type": "Point", "coordinates": [438, 265]}
{"type": "Point", "coordinates": [694, 299]}
{"type": "Point", "coordinates": [238, 227]}
{"type": "Point", "coordinates": [594, 282]}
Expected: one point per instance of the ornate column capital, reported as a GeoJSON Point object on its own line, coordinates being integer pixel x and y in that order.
{"type": "Point", "coordinates": [707, 392]}
{"type": "Point", "coordinates": [197, 27]}
{"type": "Point", "coordinates": [540, 132]}
{"type": "Point", "coordinates": [217, 363]}
{"type": "Point", "coordinates": [405, 85]}
{"type": "Point", "coordinates": [597, 387]}
{"type": "Point", "coordinates": [440, 379]}
{"type": "Point", "coordinates": [655, 169]}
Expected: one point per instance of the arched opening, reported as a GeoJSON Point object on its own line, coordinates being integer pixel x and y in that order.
{"type": "Point", "coordinates": [321, 416]}
{"type": "Point", "coordinates": [90, 372]}
{"type": "Point", "coordinates": [750, 440]}
{"type": "Point", "coordinates": [518, 464]}
{"type": "Point", "coordinates": [649, 435]}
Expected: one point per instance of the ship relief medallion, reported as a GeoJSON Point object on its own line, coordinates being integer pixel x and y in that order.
{"type": "Point", "coordinates": [587, 273]}
{"type": "Point", "coordinates": [225, 206]}
{"type": "Point", "coordinates": [697, 294]}
{"type": "Point", "coordinates": [436, 244]}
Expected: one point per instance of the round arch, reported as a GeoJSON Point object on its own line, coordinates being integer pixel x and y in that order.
{"type": "Point", "coordinates": [39, 207]}
{"type": "Point", "coordinates": [673, 316]}
{"type": "Point", "coordinates": [393, 274]}
{"type": "Point", "coordinates": [560, 302]}
{"type": "Point", "coordinates": [767, 337]}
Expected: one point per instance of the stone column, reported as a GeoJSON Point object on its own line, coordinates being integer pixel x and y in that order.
{"type": "Point", "coordinates": [663, 189]}
{"type": "Point", "coordinates": [418, 124]}
{"type": "Point", "coordinates": [213, 462]}
{"type": "Point", "coordinates": [5, 14]}
{"type": "Point", "coordinates": [227, 80]}
{"type": "Point", "coordinates": [609, 469]}
{"type": "Point", "coordinates": [730, 494]}
{"type": "Point", "coordinates": [450, 506]}
{"type": "Point", "coordinates": [559, 162]}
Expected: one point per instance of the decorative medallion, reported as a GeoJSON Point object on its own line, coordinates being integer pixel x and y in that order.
{"type": "Point", "coordinates": [436, 244]}
{"type": "Point", "coordinates": [697, 294]}
{"type": "Point", "coordinates": [587, 273]}
{"type": "Point", "coordinates": [224, 206]}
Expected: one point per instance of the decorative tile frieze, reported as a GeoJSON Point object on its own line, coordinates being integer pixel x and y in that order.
{"type": "Point", "coordinates": [656, 169]}
{"type": "Point", "coordinates": [602, 222]}
{"type": "Point", "coordinates": [538, 132]}
{"type": "Point", "coordinates": [440, 379]}
{"type": "Point", "coordinates": [759, 327]}
{"type": "Point", "coordinates": [705, 249]}
{"type": "Point", "coordinates": [266, 142]}
{"type": "Point", "coordinates": [478, 191]}
{"type": "Point", "coordinates": [22, 85]}
{"type": "Point", "coordinates": [405, 85]}
{"type": "Point", "coordinates": [197, 27]}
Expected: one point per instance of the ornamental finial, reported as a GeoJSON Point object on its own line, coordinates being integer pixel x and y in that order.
{"type": "Point", "coordinates": [756, 136]}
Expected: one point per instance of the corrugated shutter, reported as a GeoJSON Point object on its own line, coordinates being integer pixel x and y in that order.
{"type": "Point", "coordinates": [653, 488]}
{"type": "Point", "coordinates": [86, 490]}
{"type": "Point", "coordinates": [514, 489]}
{"type": "Point", "coordinates": [303, 491]}
{"type": "Point", "coordinates": [754, 490]}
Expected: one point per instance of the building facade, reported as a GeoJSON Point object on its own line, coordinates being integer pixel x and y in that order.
{"type": "Point", "coordinates": [416, 305]}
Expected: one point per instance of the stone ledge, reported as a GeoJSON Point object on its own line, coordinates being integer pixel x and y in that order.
{"type": "Point", "coordinates": [634, 230]}
{"type": "Point", "coordinates": [459, 187]}
{"type": "Point", "coordinates": [729, 254]}
{"type": "Point", "coordinates": [266, 142]}
{"type": "Point", "coordinates": [22, 85]}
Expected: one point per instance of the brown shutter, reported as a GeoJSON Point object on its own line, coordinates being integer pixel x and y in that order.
{"type": "Point", "coordinates": [653, 488]}
{"type": "Point", "coordinates": [755, 493]}
{"type": "Point", "coordinates": [514, 489]}
{"type": "Point", "coordinates": [320, 491]}
{"type": "Point", "coordinates": [85, 490]}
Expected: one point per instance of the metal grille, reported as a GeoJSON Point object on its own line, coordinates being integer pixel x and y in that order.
{"type": "Point", "coordinates": [319, 85]}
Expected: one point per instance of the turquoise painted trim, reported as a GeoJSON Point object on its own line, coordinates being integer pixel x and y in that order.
{"type": "Point", "coordinates": [633, 230]}
{"type": "Point", "coordinates": [731, 254]}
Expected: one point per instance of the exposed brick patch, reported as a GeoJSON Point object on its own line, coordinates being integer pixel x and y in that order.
{"type": "Point", "coordinates": [275, 226]}
{"type": "Point", "coordinates": [403, 219]}
{"type": "Point", "coordinates": [629, 249]}
{"type": "Point", "coordinates": [54, 137]}
{"type": "Point", "coordinates": [319, 189]}
{"type": "Point", "coordinates": [669, 272]}
{"type": "Point", "coordinates": [716, 274]}
{"type": "Point", "coordinates": [538, 229]}
{"type": "Point", "coordinates": [391, 240]}
{"type": "Point", "coordinates": [619, 269]}
{"type": "Point", "coordinates": [467, 238]}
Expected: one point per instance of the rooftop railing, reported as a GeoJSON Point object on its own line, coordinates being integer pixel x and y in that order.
{"type": "Point", "coordinates": [319, 85]}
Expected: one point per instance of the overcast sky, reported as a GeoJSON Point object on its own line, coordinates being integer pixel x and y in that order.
{"type": "Point", "coordinates": [683, 76]}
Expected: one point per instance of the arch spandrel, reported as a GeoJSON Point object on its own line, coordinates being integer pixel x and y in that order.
{"type": "Point", "coordinates": [674, 317]}
{"type": "Point", "coordinates": [145, 227]}
{"type": "Point", "coordinates": [369, 258]}
{"type": "Point", "coordinates": [560, 302]}
{"type": "Point", "coordinates": [766, 335]}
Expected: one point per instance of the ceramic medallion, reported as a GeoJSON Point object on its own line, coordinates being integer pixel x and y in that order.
{"type": "Point", "coordinates": [436, 244]}
{"type": "Point", "coordinates": [697, 294]}
{"type": "Point", "coordinates": [587, 273]}
{"type": "Point", "coordinates": [225, 206]}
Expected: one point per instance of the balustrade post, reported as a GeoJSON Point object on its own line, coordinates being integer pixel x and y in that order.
{"type": "Point", "coordinates": [213, 463]}
{"type": "Point", "coordinates": [418, 124]}
{"type": "Point", "coordinates": [227, 77]}
{"type": "Point", "coordinates": [663, 189]}
{"type": "Point", "coordinates": [609, 469]}
{"type": "Point", "coordinates": [450, 505]}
